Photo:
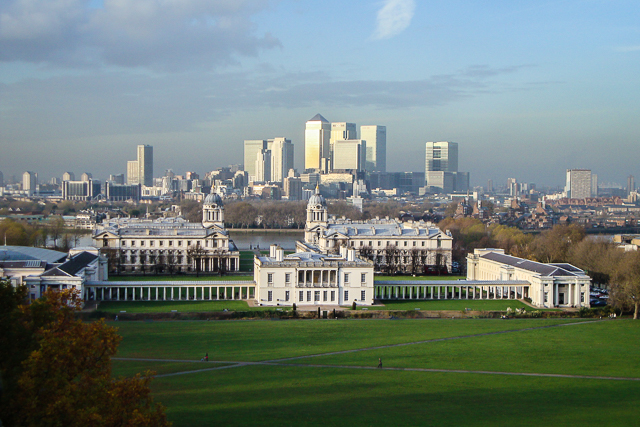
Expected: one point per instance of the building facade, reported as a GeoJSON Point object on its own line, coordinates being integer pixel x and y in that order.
{"type": "Point", "coordinates": [441, 168]}
{"type": "Point", "coordinates": [310, 278]}
{"type": "Point", "coordinates": [349, 154]}
{"type": "Point", "coordinates": [317, 135]}
{"type": "Point", "coordinates": [140, 171]}
{"type": "Point", "coordinates": [578, 184]}
{"type": "Point", "coordinates": [252, 148]}
{"type": "Point", "coordinates": [551, 285]}
{"type": "Point", "coordinates": [170, 244]}
{"type": "Point", "coordinates": [392, 245]}
{"type": "Point", "coordinates": [376, 139]}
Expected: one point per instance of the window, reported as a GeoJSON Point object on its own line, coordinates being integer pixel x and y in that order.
{"type": "Point", "coordinates": [346, 295]}
{"type": "Point", "coordinates": [581, 296]}
{"type": "Point", "coordinates": [423, 243]}
{"type": "Point", "coordinates": [308, 295]}
{"type": "Point", "coordinates": [161, 243]}
{"type": "Point", "coordinates": [546, 296]}
{"type": "Point", "coordinates": [270, 296]}
{"type": "Point", "coordinates": [270, 277]}
{"type": "Point", "coordinates": [133, 243]}
{"type": "Point", "coordinates": [379, 242]}
{"type": "Point", "coordinates": [324, 295]}
{"type": "Point", "coordinates": [346, 277]}
{"type": "Point", "coordinates": [287, 277]}
{"type": "Point", "coordinates": [363, 295]}
{"type": "Point", "coordinates": [316, 295]}
{"type": "Point", "coordinates": [363, 277]}
{"type": "Point", "coordinates": [405, 243]}
{"type": "Point", "coordinates": [179, 242]}
{"type": "Point", "coordinates": [333, 295]}
{"type": "Point", "coordinates": [286, 295]}
{"type": "Point", "coordinates": [301, 296]}
{"type": "Point", "coordinates": [370, 243]}
{"type": "Point", "coordinates": [414, 243]}
{"type": "Point", "coordinates": [142, 243]}
{"type": "Point", "coordinates": [151, 243]}
{"type": "Point", "coordinates": [170, 242]}
{"type": "Point", "coordinates": [188, 242]}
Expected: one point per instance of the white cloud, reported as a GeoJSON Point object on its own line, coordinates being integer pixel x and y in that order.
{"type": "Point", "coordinates": [627, 49]}
{"type": "Point", "coordinates": [393, 18]}
{"type": "Point", "coordinates": [160, 34]}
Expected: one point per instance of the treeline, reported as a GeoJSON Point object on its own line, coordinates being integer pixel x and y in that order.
{"type": "Point", "coordinates": [52, 233]}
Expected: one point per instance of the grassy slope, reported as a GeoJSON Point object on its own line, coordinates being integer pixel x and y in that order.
{"type": "Point", "coordinates": [476, 305]}
{"type": "Point", "coordinates": [286, 395]}
{"type": "Point", "coordinates": [182, 306]}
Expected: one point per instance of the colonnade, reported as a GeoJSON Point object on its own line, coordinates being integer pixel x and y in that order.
{"type": "Point", "coordinates": [434, 292]}
{"type": "Point", "coordinates": [318, 277]}
{"type": "Point", "coordinates": [137, 291]}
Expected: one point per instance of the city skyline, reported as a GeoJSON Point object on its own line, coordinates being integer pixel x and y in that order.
{"type": "Point", "coordinates": [528, 89]}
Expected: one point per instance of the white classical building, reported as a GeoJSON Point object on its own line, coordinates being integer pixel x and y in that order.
{"type": "Point", "coordinates": [550, 285]}
{"type": "Point", "coordinates": [310, 278]}
{"type": "Point", "coordinates": [412, 244]}
{"type": "Point", "coordinates": [134, 245]}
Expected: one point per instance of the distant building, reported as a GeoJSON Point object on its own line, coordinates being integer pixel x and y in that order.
{"type": "Point", "coordinates": [349, 154]}
{"type": "Point", "coordinates": [578, 184]}
{"type": "Point", "coordinates": [86, 176]}
{"type": "Point", "coordinates": [140, 171]}
{"type": "Point", "coordinates": [281, 158]}
{"type": "Point", "coordinates": [121, 192]}
{"type": "Point", "coordinates": [251, 150]}
{"type": "Point", "coordinates": [376, 142]}
{"type": "Point", "coordinates": [68, 176]}
{"type": "Point", "coordinates": [310, 278]}
{"type": "Point", "coordinates": [441, 168]}
{"type": "Point", "coordinates": [117, 178]}
{"type": "Point", "coordinates": [317, 135]}
{"type": "Point", "coordinates": [547, 285]}
{"type": "Point", "coordinates": [29, 182]}
{"type": "Point", "coordinates": [340, 131]}
{"type": "Point", "coordinates": [631, 184]}
{"type": "Point", "coordinates": [80, 190]}
{"type": "Point", "coordinates": [263, 166]}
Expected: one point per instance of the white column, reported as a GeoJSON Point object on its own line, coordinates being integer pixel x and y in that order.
{"type": "Point", "coordinates": [556, 294]}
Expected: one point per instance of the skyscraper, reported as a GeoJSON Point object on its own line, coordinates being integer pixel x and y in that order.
{"type": "Point", "coordinates": [317, 134]}
{"type": "Point", "coordinates": [263, 166]}
{"type": "Point", "coordinates": [341, 131]}
{"type": "Point", "coordinates": [631, 184]}
{"type": "Point", "coordinates": [140, 171]}
{"type": "Point", "coordinates": [441, 168]}
{"type": "Point", "coordinates": [578, 183]}
{"type": "Point", "coordinates": [349, 154]}
{"type": "Point", "coordinates": [281, 158]}
{"type": "Point", "coordinates": [252, 147]}
{"type": "Point", "coordinates": [29, 182]}
{"type": "Point", "coordinates": [376, 139]}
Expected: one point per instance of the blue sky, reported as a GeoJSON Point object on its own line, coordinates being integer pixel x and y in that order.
{"type": "Point", "coordinates": [528, 89]}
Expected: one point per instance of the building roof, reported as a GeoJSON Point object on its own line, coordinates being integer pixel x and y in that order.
{"type": "Point", "coordinates": [313, 257]}
{"type": "Point", "coordinates": [318, 118]}
{"type": "Point", "coordinates": [169, 227]}
{"type": "Point", "coordinates": [386, 229]}
{"type": "Point", "coordinates": [550, 270]}
{"type": "Point", "coordinates": [23, 253]}
{"type": "Point", "coordinates": [72, 266]}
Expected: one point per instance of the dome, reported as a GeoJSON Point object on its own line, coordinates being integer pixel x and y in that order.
{"type": "Point", "coordinates": [213, 199]}
{"type": "Point", "coordinates": [316, 199]}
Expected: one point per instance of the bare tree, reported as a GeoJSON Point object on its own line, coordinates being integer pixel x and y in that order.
{"type": "Point", "coordinates": [195, 254]}
{"type": "Point", "coordinates": [625, 292]}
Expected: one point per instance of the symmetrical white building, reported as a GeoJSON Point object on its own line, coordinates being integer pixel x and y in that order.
{"type": "Point", "coordinates": [550, 285]}
{"type": "Point", "coordinates": [376, 239]}
{"type": "Point", "coordinates": [310, 278]}
{"type": "Point", "coordinates": [135, 245]}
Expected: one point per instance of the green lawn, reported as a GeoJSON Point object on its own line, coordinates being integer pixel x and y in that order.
{"type": "Point", "coordinates": [129, 368]}
{"type": "Point", "coordinates": [246, 261]}
{"type": "Point", "coordinates": [296, 392]}
{"type": "Point", "coordinates": [452, 278]}
{"type": "Point", "coordinates": [474, 305]}
{"type": "Point", "coordinates": [180, 306]}
{"type": "Point", "coordinates": [177, 278]}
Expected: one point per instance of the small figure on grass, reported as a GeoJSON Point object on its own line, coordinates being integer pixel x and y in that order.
{"type": "Point", "coordinates": [206, 357]}
{"type": "Point", "coordinates": [379, 363]}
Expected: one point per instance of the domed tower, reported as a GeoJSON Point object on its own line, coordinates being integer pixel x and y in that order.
{"type": "Point", "coordinates": [316, 215]}
{"type": "Point", "coordinates": [212, 211]}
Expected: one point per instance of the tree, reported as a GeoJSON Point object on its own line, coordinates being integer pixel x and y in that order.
{"type": "Point", "coordinates": [195, 254]}
{"type": "Point", "coordinates": [60, 373]}
{"type": "Point", "coordinates": [625, 292]}
{"type": "Point", "coordinates": [56, 228]}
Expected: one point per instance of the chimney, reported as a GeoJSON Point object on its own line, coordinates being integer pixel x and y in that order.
{"type": "Point", "coordinates": [351, 254]}
{"type": "Point", "coordinates": [272, 250]}
{"type": "Point", "coordinates": [279, 253]}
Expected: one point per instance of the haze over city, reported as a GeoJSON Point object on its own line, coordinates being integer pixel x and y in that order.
{"type": "Point", "coordinates": [527, 89]}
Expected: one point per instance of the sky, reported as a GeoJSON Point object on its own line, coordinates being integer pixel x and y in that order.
{"type": "Point", "coordinates": [527, 89]}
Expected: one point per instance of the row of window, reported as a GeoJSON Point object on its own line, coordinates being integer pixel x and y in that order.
{"type": "Point", "coordinates": [316, 296]}
{"type": "Point", "coordinates": [396, 243]}
{"type": "Point", "coordinates": [179, 243]}
{"type": "Point", "coordinates": [287, 278]}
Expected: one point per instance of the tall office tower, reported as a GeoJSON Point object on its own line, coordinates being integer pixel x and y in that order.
{"type": "Point", "coordinates": [376, 139]}
{"type": "Point", "coordinates": [29, 182]}
{"type": "Point", "coordinates": [251, 150]}
{"type": "Point", "coordinates": [140, 171]}
{"type": "Point", "coordinates": [489, 186]}
{"type": "Point", "coordinates": [578, 183]}
{"type": "Point", "coordinates": [341, 131]}
{"type": "Point", "coordinates": [317, 134]}
{"type": "Point", "coordinates": [442, 156]}
{"type": "Point", "coordinates": [441, 168]}
{"type": "Point", "coordinates": [263, 166]}
{"type": "Point", "coordinates": [594, 185]}
{"type": "Point", "coordinates": [145, 165]}
{"type": "Point", "coordinates": [1, 180]}
{"type": "Point", "coordinates": [68, 176]}
{"type": "Point", "coordinates": [512, 186]}
{"type": "Point", "coordinates": [281, 158]}
{"type": "Point", "coordinates": [350, 154]}
{"type": "Point", "coordinates": [86, 176]}
{"type": "Point", "coordinates": [631, 184]}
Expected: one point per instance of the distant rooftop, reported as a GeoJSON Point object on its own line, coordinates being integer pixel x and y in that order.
{"type": "Point", "coordinates": [23, 253]}
{"type": "Point", "coordinates": [318, 118]}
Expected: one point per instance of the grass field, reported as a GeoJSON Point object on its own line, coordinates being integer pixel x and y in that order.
{"type": "Point", "coordinates": [340, 389]}
{"type": "Point", "coordinates": [180, 306]}
{"type": "Point", "coordinates": [177, 278]}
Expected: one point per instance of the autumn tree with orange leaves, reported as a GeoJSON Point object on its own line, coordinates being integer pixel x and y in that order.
{"type": "Point", "coordinates": [56, 370]}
